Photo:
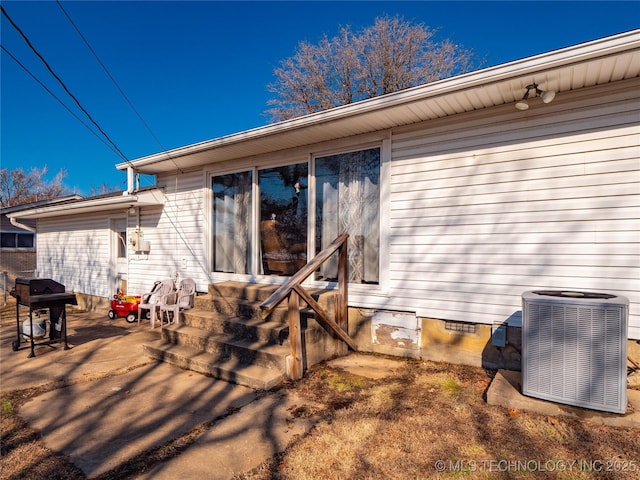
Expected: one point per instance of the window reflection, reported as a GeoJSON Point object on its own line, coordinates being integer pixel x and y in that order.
{"type": "Point", "coordinates": [283, 218]}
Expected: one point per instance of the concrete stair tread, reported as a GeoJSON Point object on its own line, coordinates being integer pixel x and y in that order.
{"type": "Point", "coordinates": [244, 301]}
{"type": "Point", "coordinates": [251, 375]}
{"type": "Point", "coordinates": [208, 314]}
{"type": "Point", "coordinates": [236, 307]}
{"type": "Point", "coordinates": [253, 292]}
{"type": "Point", "coordinates": [230, 340]}
{"type": "Point", "coordinates": [248, 322]}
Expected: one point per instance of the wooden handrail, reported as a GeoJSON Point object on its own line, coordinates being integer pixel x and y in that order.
{"type": "Point", "coordinates": [301, 275]}
{"type": "Point", "coordinates": [293, 289]}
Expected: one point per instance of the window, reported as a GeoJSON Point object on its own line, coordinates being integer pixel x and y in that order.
{"type": "Point", "coordinates": [122, 243]}
{"type": "Point", "coordinates": [261, 217]}
{"type": "Point", "coordinates": [232, 222]}
{"type": "Point", "coordinates": [17, 240]}
{"type": "Point", "coordinates": [348, 200]}
{"type": "Point", "coordinates": [283, 218]}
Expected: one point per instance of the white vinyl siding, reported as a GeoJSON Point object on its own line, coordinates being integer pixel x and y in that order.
{"type": "Point", "coordinates": [176, 233]}
{"type": "Point", "coordinates": [489, 205]}
{"type": "Point", "coordinates": [476, 209]}
{"type": "Point", "coordinates": [76, 251]}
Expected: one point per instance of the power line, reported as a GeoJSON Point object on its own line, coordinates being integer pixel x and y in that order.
{"type": "Point", "coordinates": [113, 80]}
{"type": "Point", "coordinates": [54, 96]}
{"type": "Point", "coordinates": [66, 89]}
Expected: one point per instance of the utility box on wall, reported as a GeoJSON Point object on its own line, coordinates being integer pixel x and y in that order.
{"type": "Point", "coordinates": [574, 348]}
{"type": "Point", "coordinates": [138, 244]}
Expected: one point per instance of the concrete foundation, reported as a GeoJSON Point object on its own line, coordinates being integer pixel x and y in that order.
{"type": "Point", "coordinates": [469, 344]}
{"type": "Point", "coordinates": [445, 341]}
{"type": "Point", "coordinates": [89, 303]}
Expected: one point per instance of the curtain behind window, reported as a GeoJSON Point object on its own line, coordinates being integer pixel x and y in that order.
{"type": "Point", "coordinates": [348, 200]}
{"type": "Point", "coordinates": [231, 222]}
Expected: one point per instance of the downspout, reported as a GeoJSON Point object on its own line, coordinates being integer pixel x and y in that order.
{"type": "Point", "coordinates": [16, 223]}
{"type": "Point", "coordinates": [130, 184]}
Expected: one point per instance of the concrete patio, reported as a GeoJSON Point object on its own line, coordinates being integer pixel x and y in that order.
{"type": "Point", "coordinates": [105, 403]}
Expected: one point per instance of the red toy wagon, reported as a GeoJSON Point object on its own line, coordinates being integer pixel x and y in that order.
{"type": "Point", "coordinates": [124, 306]}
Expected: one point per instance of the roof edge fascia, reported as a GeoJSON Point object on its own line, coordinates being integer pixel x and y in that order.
{"type": "Point", "coordinates": [151, 197]}
{"type": "Point", "coordinates": [29, 206]}
{"type": "Point", "coordinates": [556, 58]}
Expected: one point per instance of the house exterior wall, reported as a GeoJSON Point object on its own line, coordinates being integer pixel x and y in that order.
{"type": "Point", "coordinates": [76, 251]}
{"type": "Point", "coordinates": [496, 203]}
{"type": "Point", "coordinates": [477, 209]}
{"type": "Point", "coordinates": [177, 234]}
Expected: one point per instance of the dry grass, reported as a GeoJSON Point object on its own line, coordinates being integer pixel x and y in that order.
{"type": "Point", "coordinates": [395, 428]}
{"type": "Point", "coordinates": [22, 454]}
{"type": "Point", "coordinates": [402, 427]}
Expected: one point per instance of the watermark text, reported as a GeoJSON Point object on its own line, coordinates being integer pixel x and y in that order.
{"type": "Point", "coordinates": [494, 465]}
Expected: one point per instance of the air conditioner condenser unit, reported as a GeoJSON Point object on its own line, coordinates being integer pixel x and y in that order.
{"type": "Point", "coordinates": [574, 348]}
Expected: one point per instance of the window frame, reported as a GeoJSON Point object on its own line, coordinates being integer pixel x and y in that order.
{"type": "Point", "coordinates": [297, 156]}
{"type": "Point", "coordinates": [16, 242]}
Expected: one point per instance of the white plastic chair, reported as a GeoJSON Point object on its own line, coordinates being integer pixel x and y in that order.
{"type": "Point", "coordinates": [157, 297]}
{"type": "Point", "coordinates": [184, 301]}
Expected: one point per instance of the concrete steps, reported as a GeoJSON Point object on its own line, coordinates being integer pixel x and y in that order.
{"type": "Point", "coordinates": [224, 336]}
{"type": "Point", "coordinates": [230, 370]}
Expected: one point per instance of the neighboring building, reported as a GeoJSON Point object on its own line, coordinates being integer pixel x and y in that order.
{"type": "Point", "coordinates": [83, 243]}
{"type": "Point", "coordinates": [456, 203]}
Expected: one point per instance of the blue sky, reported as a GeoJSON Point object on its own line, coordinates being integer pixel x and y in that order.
{"type": "Point", "coordinates": [198, 70]}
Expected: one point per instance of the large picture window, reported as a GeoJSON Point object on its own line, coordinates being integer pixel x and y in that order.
{"type": "Point", "coordinates": [348, 200]}
{"type": "Point", "coordinates": [261, 223]}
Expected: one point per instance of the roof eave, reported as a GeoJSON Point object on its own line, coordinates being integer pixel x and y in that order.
{"type": "Point", "coordinates": [519, 68]}
{"type": "Point", "coordinates": [29, 206]}
{"type": "Point", "coordinates": [141, 199]}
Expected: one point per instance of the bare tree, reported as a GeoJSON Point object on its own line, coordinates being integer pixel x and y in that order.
{"type": "Point", "coordinates": [102, 189]}
{"type": "Point", "coordinates": [18, 187]}
{"type": "Point", "coordinates": [389, 56]}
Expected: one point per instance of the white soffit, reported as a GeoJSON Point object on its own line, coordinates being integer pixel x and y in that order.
{"type": "Point", "coordinates": [602, 61]}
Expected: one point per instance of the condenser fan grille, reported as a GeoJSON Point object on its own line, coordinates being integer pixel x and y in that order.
{"type": "Point", "coordinates": [574, 350]}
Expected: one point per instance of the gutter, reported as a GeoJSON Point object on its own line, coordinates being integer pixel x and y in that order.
{"type": "Point", "coordinates": [16, 223]}
{"type": "Point", "coordinates": [125, 200]}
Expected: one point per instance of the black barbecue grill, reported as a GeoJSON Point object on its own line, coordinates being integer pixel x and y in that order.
{"type": "Point", "coordinates": [39, 294]}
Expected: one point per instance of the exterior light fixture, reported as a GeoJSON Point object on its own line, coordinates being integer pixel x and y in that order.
{"type": "Point", "coordinates": [523, 104]}
{"type": "Point", "coordinates": [547, 97]}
